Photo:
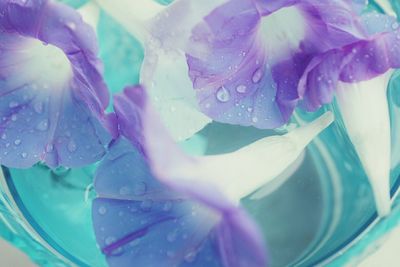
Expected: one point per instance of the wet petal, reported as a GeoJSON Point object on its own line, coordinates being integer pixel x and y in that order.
{"type": "Point", "coordinates": [246, 58]}
{"type": "Point", "coordinates": [359, 74]}
{"type": "Point", "coordinates": [359, 61]}
{"type": "Point", "coordinates": [52, 96]}
{"type": "Point", "coordinates": [147, 224]}
{"type": "Point", "coordinates": [140, 124]}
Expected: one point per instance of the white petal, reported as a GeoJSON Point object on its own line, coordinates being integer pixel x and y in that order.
{"type": "Point", "coordinates": [173, 95]}
{"type": "Point", "coordinates": [276, 183]}
{"type": "Point", "coordinates": [90, 13]}
{"type": "Point", "coordinates": [365, 112]}
{"type": "Point", "coordinates": [242, 172]}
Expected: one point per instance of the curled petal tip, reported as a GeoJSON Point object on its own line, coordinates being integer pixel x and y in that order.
{"type": "Point", "coordinates": [306, 134]}
{"type": "Point", "coordinates": [364, 109]}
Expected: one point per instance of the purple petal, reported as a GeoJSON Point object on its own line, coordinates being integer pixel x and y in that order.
{"type": "Point", "coordinates": [52, 96]}
{"type": "Point", "coordinates": [136, 118]}
{"type": "Point", "coordinates": [247, 57]}
{"type": "Point", "coordinates": [359, 61]}
{"type": "Point", "coordinates": [141, 222]}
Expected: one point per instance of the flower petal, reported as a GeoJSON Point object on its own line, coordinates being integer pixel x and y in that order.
{"type": "Point", "coordinates": [365, 113]}
{"type": "Point", "coordinates": [248, 58]}
{"type": "Point", "coordinates": [52, 96]}
{"type": "Point", "coordinates": [226, 172]}
{"type": "Point", "coordinates": [153, 225]}
{"type": "Point", "coordinates": [356, 62]}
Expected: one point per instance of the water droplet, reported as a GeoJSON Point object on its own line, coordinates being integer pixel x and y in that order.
{"type": "Point", "coordinates": [102, 210]}
{"type": "Point", "coordinates": [71, 146]}
{"type": "Point", "coordinates": [223, 94]}
{"type": "Point", "coordinates": [140, 189]}
{"type": "Point", "coordinates": [4, 136]}
{"type": "Point", "coordinates": [254, 119]}
{"type": "Point", "coordinates": [38, 107]}
{"type": "Point", "coordinates": [24, 155]}
{"type": "Point", "coordinates": [71, 25]}
{"type": "Point", "coordinates": [13, 104]}
{"type": "Point", "coordinates": [241, 89]}
{"type": "Point", "coordinates": [171, 237]}
{"type": "Point", "coordinates": [190, 256]}
{"type": "Point", "coordinates": [49, 148]}
{"type": "Point", "coordinates": [109, 240]}
{"type": "Point", "coordinates": [13, 117]}
{"type": "Point", "coordinates": [17, 142]}
{"type": "Point", "coordinates": [167, 206]}
{"type": "Point", "coordinates": [125, 190]}
{"type": "Point", "coordinates": [257, 76]}
{"type": "Point", "coordinates": [395, 25]}
{"type": "Point", "coordinates": [43, 125]}
{"type": "Point", "coordinates": [146, 205]}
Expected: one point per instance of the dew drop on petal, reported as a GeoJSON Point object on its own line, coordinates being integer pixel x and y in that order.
{"type": "Point", "coordinates": [125, 190]}
{"type": "Point", "coordinates": [49, 148]}
{"type": "Point", "coordinates": [13, 104]}
{"type": "Point", "coordinates": [223, 94]}
{"type": "Point", "coordinates": [257, 75]}
{"type": "Point", "coordinates": [17, 142]}
{"type": "Point", "coordinates": [24, 155]}
{"type": "Point", "coordinates": [4, 136]}
{"type": "Point", "coordinates": [171, 237]}
{"type": "Point", "coordinates": [395, 25]}
{"type": "Point", "coordinates": [71, 146]}
{"type": "Point", "coordinates": [13, 117]}
{"type": "Point", "coordinates": [102, 210]}
{"type": "Point", "coordinates": [241, 89]}
{"type": "Point", "coordinates": [190, 256]}
{"type": "Point", "coordinates": [43, 125]}
{"type": "Point", "coordinates": [140, 189]}
{"type": "Point", "coordinates": [38, 107]}
{"type": "Point", "coordinates": [167, 206]}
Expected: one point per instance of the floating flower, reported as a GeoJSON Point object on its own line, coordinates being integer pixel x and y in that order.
{"type": "Point", "coordinates": [189, 211]}
{"type": "Point", "coordinates": [252, 62]}
{"type": "Point", "coordinates": [358, 74]}
{"type": "Point", "coordinates": [247, 57]}
{"type": "Point", "coordinates": [52, 95]}
{"type": "Point", "coordinates": [164, 70]}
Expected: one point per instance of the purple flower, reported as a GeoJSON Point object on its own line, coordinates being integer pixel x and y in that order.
{"type": "Point", "coordinates": [52, 95]}
{"type": "Point", "coordinates": [189, 210]}
{"type": "Point", "coordinates": [139, 221]}
{"type": "Point", "coordinates": [253, 62]}
{"type": "Point", "coordinates": [358, 75]}
{"type": "Point", "coordinates": [248, 56]}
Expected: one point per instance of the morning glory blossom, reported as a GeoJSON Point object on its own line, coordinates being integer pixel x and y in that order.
{"type": "Point", "coordinates": [139, 221]}
{"type": "Point", "coordinates": [52, 95]}
{"type": "Point", "coordinates": [189, 212]}
{"type": "Point", "coordinates": [254, 62]}
{"type": "Point", "coordinates": [169, 87]}
{"type": "Point", "coordinates": [358, 74]}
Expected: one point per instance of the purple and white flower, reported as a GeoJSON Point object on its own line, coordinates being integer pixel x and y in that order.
{"type": "Point", "coordinates": [190, 207]}
{"type": "Point", "coordinates": [52, 94]}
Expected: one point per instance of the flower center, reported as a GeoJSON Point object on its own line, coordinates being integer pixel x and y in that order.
{"type": "Point", "coordinates": [48, 65]}
{"type": "Point", "coordinates": [282, 32]}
